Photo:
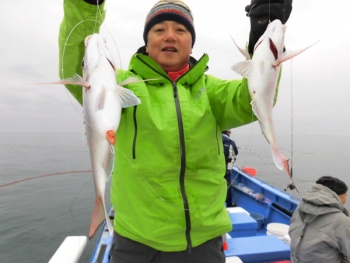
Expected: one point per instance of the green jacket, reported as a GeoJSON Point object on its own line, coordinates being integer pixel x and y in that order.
{"type": "Point", "coordinates": [168, 187]}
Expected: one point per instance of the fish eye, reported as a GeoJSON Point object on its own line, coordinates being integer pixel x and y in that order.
{"type": "Point", "coordinates": [82, 63]}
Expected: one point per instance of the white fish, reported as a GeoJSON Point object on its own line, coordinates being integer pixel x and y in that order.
{"type": "Point", "coordinates": [103, 100]}
{"type": "Point", "coordinates": [262, 72]}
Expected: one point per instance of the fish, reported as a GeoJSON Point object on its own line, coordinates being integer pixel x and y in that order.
{"type": "Point", "coordinates": [262, 71]}
{"type": "Point", "coordinates": [103, 100]}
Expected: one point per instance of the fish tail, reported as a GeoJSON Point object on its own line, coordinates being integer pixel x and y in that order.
{"type": "Point", "coordinates": [278, 158]}
{"type": "Point", "coordinates": [286, 167]}
{"type": "Point", "coordinates": [99, 215]}
{"type": "Point", "coordinates": [282, 162]}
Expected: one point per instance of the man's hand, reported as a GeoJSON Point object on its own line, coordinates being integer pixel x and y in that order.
{"type": "Point", "coordinates": [94, 2]}
{"type": "Point", "coordinates": [261, 12]}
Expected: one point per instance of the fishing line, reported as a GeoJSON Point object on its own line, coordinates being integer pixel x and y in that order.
{"type": "Point", "coordinates": [62, 69]}
{"type": "Point", "coordinates": [245, 157]}
{"type": "Point", "coordinates": [249, 143]}
{"type": "Point", "coordinates": [291, 119]}
{"type": "Point", "coordinates": [65, 44]}
{"type": "Point", "coordinates": [292, 185]}
{"type": "Point", "coordinates": [62, 59]}
{"type": "Point", "coordinates": [81, 189]}
{"type": "Point", "coordinates": [98, 12]}
{"type": "Point", "coordinates": [253, 152]}
{"type": "Point", "coordinates": [249, 138]}
{"type": "Point", "coordinates": [44, 175]}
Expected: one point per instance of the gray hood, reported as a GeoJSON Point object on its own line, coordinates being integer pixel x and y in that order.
{"type": "Point", "coordinates": [321, 200]}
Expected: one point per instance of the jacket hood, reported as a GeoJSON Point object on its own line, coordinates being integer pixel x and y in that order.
{"type": "Point", "coordinates": [321, 200]}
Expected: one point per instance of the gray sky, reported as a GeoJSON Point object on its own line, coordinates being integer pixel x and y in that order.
{"type": "Point", "coordinates": [318, 77]}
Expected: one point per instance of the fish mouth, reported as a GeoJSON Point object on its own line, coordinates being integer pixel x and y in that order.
{"type": "Point", "coordinates": [273, 49]}
{"type": "Point", "coordinates": [169, 49]}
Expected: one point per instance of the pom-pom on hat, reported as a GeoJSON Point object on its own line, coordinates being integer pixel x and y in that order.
{"type": "Point", "coordinates": [170, 10]}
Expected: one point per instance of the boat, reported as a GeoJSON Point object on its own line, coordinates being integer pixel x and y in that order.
{"type": "Point", "coordinates": [260, 220]}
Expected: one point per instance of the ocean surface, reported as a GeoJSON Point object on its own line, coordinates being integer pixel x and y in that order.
{"type": "Point", "coordinates": [37, 214]}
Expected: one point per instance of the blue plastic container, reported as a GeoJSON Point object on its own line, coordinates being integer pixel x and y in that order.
{"type": "Point", "coordinates": [243, 225]}
{"type": "Point", "coordinates": [259, 218]}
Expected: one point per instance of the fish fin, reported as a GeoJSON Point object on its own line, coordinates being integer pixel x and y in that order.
{"type": "Point", "coordinates": [244, 52]}
{"type": "Point", "coordinates": [99, 215]}
{"type": "Point", "coordinates": [243, 68]}
{"type": "Point", "coordinates": [127, 97]}
{"type": "Point", "coordinates": [133, 79]}
{"type": "Point", "coordinates": [130, 80]}
{"type": "Point", "coordinates": [111, 137]}
{"type": "Point", "coordinates": [110, 162]}
{"type": "Point", "coordinates": [75, 80]}
{"type": "Point", "coordinates": [290, 54]}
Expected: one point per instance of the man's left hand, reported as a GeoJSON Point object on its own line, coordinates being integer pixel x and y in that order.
{"type": "Point", "coordinates": [261, 12]}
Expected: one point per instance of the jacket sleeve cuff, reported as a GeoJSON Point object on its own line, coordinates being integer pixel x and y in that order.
{"type": "Point", "coordinates": [94, 2]}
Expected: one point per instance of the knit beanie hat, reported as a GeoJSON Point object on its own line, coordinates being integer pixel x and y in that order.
{"type": "Point", "coordinates": [171, 10]}
{"type": "Point", "coordinates": [336, 185]}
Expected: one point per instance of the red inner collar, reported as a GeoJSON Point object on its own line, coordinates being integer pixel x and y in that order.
{"type": "Point", "coordinates": [175, 75]}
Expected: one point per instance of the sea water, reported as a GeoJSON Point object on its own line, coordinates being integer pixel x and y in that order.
{"type": "Point", "coordinates": [36, 215]}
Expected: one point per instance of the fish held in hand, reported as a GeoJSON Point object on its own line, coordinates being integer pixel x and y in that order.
{"type": "Point", "coordinates": [262, 72]}
{"type": "Point", "coordinates": [103, 100]}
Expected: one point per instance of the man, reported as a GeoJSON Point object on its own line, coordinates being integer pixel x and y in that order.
{"type": "Point", "coordinates": [320, 226]}
{"type": "Point", "coordinates": [168, 192]}
{"type": "Point", "coordinates": [230, 151]}
{"type": "Point", "coordinates": [230, 148]}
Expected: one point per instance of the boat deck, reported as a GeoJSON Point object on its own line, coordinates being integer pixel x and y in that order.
{"type": "Point", "coordinates": [249, 241]}
{"type": "Point", "coordinates": [246, 243]}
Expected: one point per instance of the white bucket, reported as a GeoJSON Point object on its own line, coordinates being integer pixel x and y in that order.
{"type": "Point", "coordinates": [233, 260]}
{"type": "Point", "coordinates": [277, 229]}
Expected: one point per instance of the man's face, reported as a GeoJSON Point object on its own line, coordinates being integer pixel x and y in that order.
{"type": "Point", "coordinates": [342, 198]}
{"type": "Point", "coordinates": [170, 44]}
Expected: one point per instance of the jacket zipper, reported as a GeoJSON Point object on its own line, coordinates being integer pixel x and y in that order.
{"type": "Point", "coordinates": [183, 154]}
{"type": "Point", "coordinates": [183, 167]}
{"type": "Point", "coordinates": [135, 134]}
{"type": "Point", "coordinates": [217, 138]}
